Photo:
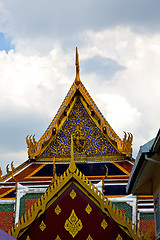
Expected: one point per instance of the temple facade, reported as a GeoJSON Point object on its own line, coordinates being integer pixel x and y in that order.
{"type": "Point", "coordinates": [73, 184]}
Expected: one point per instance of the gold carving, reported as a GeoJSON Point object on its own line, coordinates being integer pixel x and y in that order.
{"type": "Point", "coordinates": [73, 225]}
{"type": "Point", "coordinates": [127, 142]}
{"type": "Point", "coordinates": [79, 140]}
{"type": "Point", "coordinates": [104, 224]}
{"type": "Point", "coordinates": [88, 209]}
{"type": "Point", "coordinates": [73, 194]}
{"type": "Point", "coordinates": [58, 237]}
{"type": "Point", "coordinates": [0, 173]}
{"type": "Point", "coordinates": [42, 226]}
{"type": "Point", "coordinates": [119, 237]}
{"type": "Point", "coordinates": [28, 238]}
{"type": "Point", "coordinates": [57, 210]}
{"type": "Point", "coordinates": [89, 237]}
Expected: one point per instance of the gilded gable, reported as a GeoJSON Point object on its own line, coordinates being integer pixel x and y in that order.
{"type": "Point", "coordinates": [87, 137]}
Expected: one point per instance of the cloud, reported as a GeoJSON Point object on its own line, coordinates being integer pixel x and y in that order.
{"type": "Point", "coordinates": [38, 25]}
{"type": "Point", "coordinates": [124, 81]}
{"type": "Point", "coordinates": [102, 66]}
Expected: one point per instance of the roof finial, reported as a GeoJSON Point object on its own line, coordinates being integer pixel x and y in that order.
{"type": "Point", "coordinates": [54, 172]}
{"type": "Point", "coordinates": [77, 80]}
{"type": "Point", "coordinates": [72, 165]}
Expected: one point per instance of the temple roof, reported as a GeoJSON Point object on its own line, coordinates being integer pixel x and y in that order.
{"type": "Point", "coordinates": [70, 187]}
{"type": "Point", "coordinates": [78, 99]}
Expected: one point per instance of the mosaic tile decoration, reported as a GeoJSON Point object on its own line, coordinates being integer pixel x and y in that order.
{"type": "Point", "coordinates": [23, 202]}
{"type": "Point", "coordinates": [146, 219]}
{"type": "Point", "coordinates": [95, 144]}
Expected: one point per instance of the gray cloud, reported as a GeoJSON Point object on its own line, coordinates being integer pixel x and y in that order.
{"type": "Point", "coordinates": [105, 67]}
{"type": "Point", "coordinates": [58, 19]}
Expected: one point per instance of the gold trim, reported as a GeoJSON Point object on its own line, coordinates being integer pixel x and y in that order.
{"type": "Point", "coordinates": [73, 194]}
{"type": "Point", "coordinates": [6, 193]}
{"type": "Point", "coordinates": [119, 237]}
{"type": "Point", "coordinates": [121, 168]}
{"type": "Point", "coordinates": [89, 237]}
{"type": "Point", "coordinates": [42, 226]}
{"type": "Point", "coordinates": [73, 225]}
{"type": "Point", "coordinates": [104, 224]}
{"type": "Point", "coordinates": [58, 238]}
{"type": "Point", "coordinates": [58, 210]}
{"type": "Point", "coordinates": [88, 209]}
{"type": "Point", "coordinates": [35, 171]}
{"type": "Point", "coordinates": [124, 146]}
{"type": "Point", "coordinates": [28, 238]}
{"type": "Point", "coordinates": [82, 182]}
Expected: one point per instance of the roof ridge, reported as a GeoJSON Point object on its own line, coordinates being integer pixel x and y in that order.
{"type": "Point", "coordinates": [109, 208]}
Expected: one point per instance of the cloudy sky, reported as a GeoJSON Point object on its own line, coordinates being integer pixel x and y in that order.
{"type": "Point", "coordinates": [119, 47]}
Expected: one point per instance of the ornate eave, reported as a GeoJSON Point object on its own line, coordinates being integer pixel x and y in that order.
{"type": "Point", "coordinates": [58, 186]}
{"type": "Point", "coordinates": [124, 147]}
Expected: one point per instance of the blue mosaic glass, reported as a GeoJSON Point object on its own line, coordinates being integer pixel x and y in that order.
{"type": "Point", "coordinates": [95, 143]}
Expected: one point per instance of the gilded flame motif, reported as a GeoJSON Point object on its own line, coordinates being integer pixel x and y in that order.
{"type": "Point", "coordinates": [73, 194]}
{"type": "Point", "coordinates": [88, 209]}
{"type": "Point", "coordinates": [89, 237]}
{"type": "Point", "coordinates": [57, 210]}
{"type": "Point", "coordinates": [73, 225]}
{"type": "Point", "coordinates": [104, 224]}
{"type": "Point", "coordinates": [28, 238]}
{"type": "Point", "coordinates": [119, 237]}
{"type": "Point", "coordinates": [42, 226]}
{"type": "Point", "coordinates": [58, 237]}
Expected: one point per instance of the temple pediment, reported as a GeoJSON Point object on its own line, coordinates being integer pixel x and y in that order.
{"type": "Point", "coordinates": [80, 116]}
{"type": "Point", "coordinates": [76, 209]}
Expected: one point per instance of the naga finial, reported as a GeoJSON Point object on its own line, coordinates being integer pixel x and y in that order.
{"type": "Point", "coordinates": [7, 169]}
{"type": "Point", "coordinates": [77, 80]}
{"type": "Point", "coordinates": [0, 173]}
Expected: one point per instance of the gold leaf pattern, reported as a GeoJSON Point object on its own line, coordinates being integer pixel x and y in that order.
{"type": "Point", "coordinates": [89, 237]}
{"type": "Point", "coordinates": [73, 194]}
{"type": "Point", "coordinates": [88, 209]}
{"type": "Point", "coordinates": [58, 237]}
{"type": "Point", "coordinates": [73, 225]}
{"type": "Point", "coordinates": [42, 226]}
{"type": "Point", "coordinates": [28, 238]}
{"type": "Point", "coordinates": [104, 224]}
{"type": "Point", "coordinates": [119, 237]}
{"type": "Point", "coordinates": [57, 210]}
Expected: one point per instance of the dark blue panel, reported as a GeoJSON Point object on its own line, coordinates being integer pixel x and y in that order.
{"type": "Point", "coordinates": [115, 190]}
{"type": "Point", "coordinates": [88, 169]}
{"type": "Point", "coordinates": [10, 195]}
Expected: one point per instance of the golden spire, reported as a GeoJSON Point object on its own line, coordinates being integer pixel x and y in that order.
{"type": "Point", "coordinates": [12, 167]}
{"type": "Point", "coordinates": [77, 80]}
{"type": "Point", "coordinates": [72, 165]}
{"type": "Point", "coordinates": [54, 171]}
{"type": "Point", "coordinates": [105, 177]}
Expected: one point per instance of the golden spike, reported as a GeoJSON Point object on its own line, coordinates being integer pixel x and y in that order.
{"type": "Point", "coordinates": [12, 167]}
{"type": "Point", "coordinates": [114, 208]}
{"type": "Point", "coordinates": [147, 235]}
{"type": "Point", "coordinates": [77, 80]}
{"type": "Point", "coordinates": [25, 217]}
{"type": "Point", "coordinates": [72, 166]}
{"type": "Point", "coordinates": [7, 169]}
{"type": "Point", "coordinates": [0, 173]}
{"type": "Point", "coordinates": [54, 172]}
{"type": "Point", "coordinates": [105, 177]}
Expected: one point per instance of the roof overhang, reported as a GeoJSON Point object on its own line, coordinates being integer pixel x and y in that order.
{"type": "Point", "coordinates": [148, 159]}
